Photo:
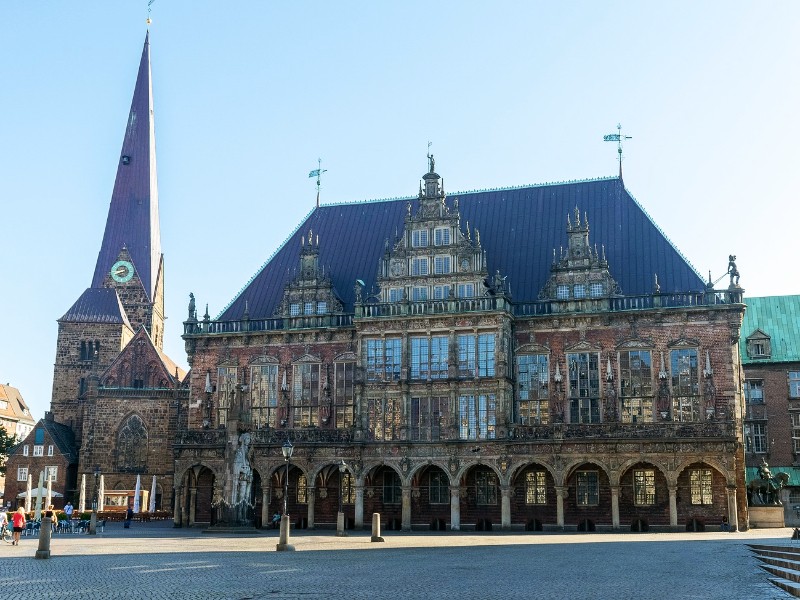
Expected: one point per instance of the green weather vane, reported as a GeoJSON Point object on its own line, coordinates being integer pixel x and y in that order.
{"type": "Point", "coordinates": [318, 174]}
{"type": "Point", "coordinates": [619, 138]}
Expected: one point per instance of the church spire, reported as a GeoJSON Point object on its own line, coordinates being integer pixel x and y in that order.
{"type": "Point", "coordinates": [133, 221]}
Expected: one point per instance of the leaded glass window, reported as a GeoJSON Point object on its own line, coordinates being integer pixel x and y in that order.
{"type": "Point", "coordinates": [227, 379]}
{"type": "Point", "coordinates": [587, 484]}
{"type": "Point", "coordinates": [700, 486]}
{"type": "Point", "coordinates": [794, 384]}
{"type": "Point", "coordinates": [533, 376]}
{"type": "Point", "coordinates": [584, 387]}
{"type": "Point", "coordinates": [382, 359]}
{"type": "Point", "coordinates": [264, 395]}
{"type": "Point", "coordinates": [486, 355]}
{"type": "Point", "coordinates": [636, 386]}
{"type": "Point", "coordinates": [441, 236]}
{"type": "Point", "coordinates": [392, 490]}
{"type": "Point", "coordinates": [754, 391]}
{"type": "Point", "coordinates": [466, 356]}
{"type": "Point", "coordinates": [344, 396]}
{"type": "Point", "coordinates": [429, 357]}
{"type": "Point", "coordinates": [535, 487]}
{"type": "Point", "coordinates": [385, 416]}
{"type": "Point", "coordinates": [348, 488]}
{"type": "Point", "coordinates": [439, 488]}
{"type": "Point", "coordinates": [477, 417]}
{"type": "Point", "coordinates": [485, 487]}
{"type": "Point", "coordinates": [428, 416]}
{"type": "Point", "coordinates": [132, 445]}
{"type": "Point", "coordinates": [644, 487]}
{"type": "Point", "coordinates": [305, 394]}
{"type": "Point", "coordinates": [685, 384]}
{"type": "Point", "coordinates": [302, 489]}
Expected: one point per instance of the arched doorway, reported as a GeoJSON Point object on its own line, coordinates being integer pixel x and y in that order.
{"type": "Point", "coordinates": [430, 499]}
{"type": "Point", "coordinates": [481, 510]}
{"type": "Point", "coordinates": [533, 498]}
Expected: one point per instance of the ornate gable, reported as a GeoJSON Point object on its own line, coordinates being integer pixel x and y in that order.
{"type": "Point", "coordinates": [432, 259]}
{"type": "Point", "coordinates": [139, 365]}
{"type": "Point", "coordinates": [311, 292]}
{"type": "Point", "coordinates": [579, 279]}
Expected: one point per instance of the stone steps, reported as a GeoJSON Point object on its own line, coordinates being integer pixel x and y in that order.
{"type": "Point", "coordinates": [783, 562]}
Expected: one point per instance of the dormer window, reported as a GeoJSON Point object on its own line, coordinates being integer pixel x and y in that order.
{"type": "Point", "coordinates": [419, 238]}
{"type": "Point", "coordinates": [308, 308]}
{"type": "Point", "coordinates": [441, 236]}
{"type": "Point", "coordinates": [596, 289]}
{"type": "Point", "coordinates": [579, 290]}
{"type": "Point", "coordinates": [562, 292]}
{"type": "Point", "coordinates": [322, 308]}
{"type": "Point", "coordinates": [294, 310]}
{"type": "Point", "coordinates": [759, 345]}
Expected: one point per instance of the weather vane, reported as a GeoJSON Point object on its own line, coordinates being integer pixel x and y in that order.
{"type": "Point", "coordinates": [318, 173]}
{"type": "Point", "coordinates": [149, 10]}
{"type": "Point", "coordinates": [619, 138]}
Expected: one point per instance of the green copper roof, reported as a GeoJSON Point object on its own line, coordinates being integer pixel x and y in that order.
{"type": "Point", "coordinates": [779, 318]}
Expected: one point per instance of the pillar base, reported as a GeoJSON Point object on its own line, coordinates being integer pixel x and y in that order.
{"type": "Point", "coordinates": [42, 554]}
{"type": "Point", "coordinates": [340, 525]}
{"type": "Point", "coordinates": [283, 541]}
{"type": "Point", "coordinates": [284, 548]}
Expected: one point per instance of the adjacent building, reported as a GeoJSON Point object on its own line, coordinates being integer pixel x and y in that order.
{"type": "Point", "coordinates": [770, 345]}
{"type": "Point", "coordinates": [15, 417]}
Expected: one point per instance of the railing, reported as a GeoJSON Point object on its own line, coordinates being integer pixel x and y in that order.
{"type": "Point", "coordinates": [466, 305]}
{"type": "Point", "coordinates": [218, 437]}
{"type": "Point", "coordinates": [128, 392]}
{"type": "Point", "coordinates": [708, 429]}
{"type": "Point", "coordinates": [201, 437]}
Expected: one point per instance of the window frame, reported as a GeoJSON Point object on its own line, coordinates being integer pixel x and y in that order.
{"type": "Point", "coordinates": [587, 488]}
{"type": "Point", "coordinates": [20, 470]}
{"type": "Point", "coordinates": [644, 487]}
{"type": "Point", "coordinates": [701, 490]}
{"type": "Point", "coordinates": [536, 488]}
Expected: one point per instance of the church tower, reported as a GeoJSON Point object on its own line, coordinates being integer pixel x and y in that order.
{"type": "Point", "coordinates": [127, 288]}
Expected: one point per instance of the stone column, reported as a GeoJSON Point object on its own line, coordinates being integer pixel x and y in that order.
{"type": "Point", "coordinates": [176, 513]}
{"type": "Point", "coordinates": [614, 507]}
{"type": "Point", "coordinates": [358, 508]}
{"type": "Point", "coordinates": [405, 518]}
{"type": "Point", "coordinates": [505, 507]}
{"type": "Point", "coordinates": [265, 516]}
{"type": "Point", "coordinates": [192, 505]}
{"type": "Point", "coordinates": [673, 506]}
{"type": "Point", "coordinates": [455, 508]}
{"type": "Point", "coordinates": [561, 493]}
{"type": "Point", "coordinates": [733, 511]}
{"type": "Point", "coordinates": [312, 496]}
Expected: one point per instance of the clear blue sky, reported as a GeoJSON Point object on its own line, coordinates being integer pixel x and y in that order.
{"type": "Point", "coordinates": [249, 94]}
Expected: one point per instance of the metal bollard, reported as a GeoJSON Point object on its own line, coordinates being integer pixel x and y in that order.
{"type": "Point", "coordinates": [376, 528]}
{"type": "Point", "coordinates": [45, 532]}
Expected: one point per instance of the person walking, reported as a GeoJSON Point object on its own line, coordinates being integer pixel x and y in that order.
{"type": "Point", "coordinates": [18, 520]}
{"type": "Point", "coordinates": [68, 510]}
{"type": "Point", "coordinates": [128, 518]}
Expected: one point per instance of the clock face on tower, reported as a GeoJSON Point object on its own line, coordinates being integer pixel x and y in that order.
{"type": "Point", "coordinates": [122, 271]}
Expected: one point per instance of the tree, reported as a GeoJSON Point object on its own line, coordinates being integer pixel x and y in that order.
{"type": "Point", "coordinates": [7, 443]}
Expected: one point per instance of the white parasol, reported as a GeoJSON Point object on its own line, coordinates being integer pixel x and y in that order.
{"type": "Point", "coordinates": [28, 496]}
{"type": "Point", "coordinates": [152, 507]}
{"type": "Point", "coordinates": [82, 499]}
{"type": "Point", "coordinates": [136, 504]}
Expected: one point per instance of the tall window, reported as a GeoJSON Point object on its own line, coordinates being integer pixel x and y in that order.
{"type": "Point", "coordinates": [385, 416]}
{"type": "Point", "coordinates": [392, 491]}
{"type": "Point", "coordinates": [466, 356]}
{"type": "Point", "coordinates": [533, 378]}
{"type": "Point", "coordinates": [486, 355]}
{"type": "Point", "coordinates": [25, 450]}
{"type": "Point", "coordinates": [51, 473]}
{"type": "Point", "coordinates": [344, 396]}
{"type": "Point", "coordinates": [795, 432]}
{"type": "Point", "coordinates": [441, 265]}
{"type": "Point", "coordinates": [132, 445]}
{"type": "Point", "coordinates": [305, 394]}
{"type": "Point", "coordinates": [382, 359]}
{"type": "Point", "coordinates": [38, 450]}
{"type": "Point", "coordinates": [441, 236]}
{"type": "Point", "coordinates": [587, 488]}
{"type": "Point", "coordinates": [700, 486]}
{"type": "Point", "coordinates": [227, 379]}
{"type": "Point", "coordinates": [429, 357]}
{"type": "Point", "coordinates": [348, 488]}
{"type": "Point", "coordinates": [419, 266]}
{"type": "Point", "coordinates": [439, 488]}
{"type": "Point", "coordinates": [485, 487]}
{"type": "Point", "coordinates": [794, 384]}
{"type": "Point", "coordinates": [535, 487]}
{"type": "Point", "coordinates": [302, 489]}
{"type": "Point", "coordinates": [476, 355]}
{"type": "Point", "coordinates": [466, 290]}
{"type": "Point", "coordinates": [584, 387]}
{"type": "Point", "coordinates": [685, 384]}
{"type": "Point", "coordinates": [754, 391]}
{"type": "Point", "coordinates": [22, 473]}
{"type": "Point", "coordinates": [644, 487]}
{"type": "Point", "coordinates": [636, 386]}
{"type": "Point", "coordinates": [419, 238]}
{"type": "Point", "coordinates": [477, 417]}
{"type": "Point", "coordinates": [264, 394]}
{"type": "Point", "coordinates": [756, 437]}
{"type": "Point", "coordinates": [428, 417]}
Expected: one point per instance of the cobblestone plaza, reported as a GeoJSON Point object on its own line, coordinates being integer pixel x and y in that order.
{"type": "Point", "coordinates": [156, 561]}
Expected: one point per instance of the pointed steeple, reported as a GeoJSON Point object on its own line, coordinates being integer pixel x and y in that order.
{"type": "Point", "coordinates": [133, 221]}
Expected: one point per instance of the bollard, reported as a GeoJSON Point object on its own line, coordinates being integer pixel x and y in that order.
{"type": "Point", "coordinates": [283, 541]}
{"type": "Point", "coordinates": [45, 531]}
{"type": "Point", "coordinates": [376, 528]}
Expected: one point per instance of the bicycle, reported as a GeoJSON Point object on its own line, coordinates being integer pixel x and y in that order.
{"type": "Point", "coordinates": [5, 534]}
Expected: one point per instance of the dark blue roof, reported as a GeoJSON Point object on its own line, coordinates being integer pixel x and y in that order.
{"type": "Point", "coordinates": [519, 229]}
{"type": "Point", "coordinates": [133, 214]}
{"type": "Point", "coordinates": [96, 305]}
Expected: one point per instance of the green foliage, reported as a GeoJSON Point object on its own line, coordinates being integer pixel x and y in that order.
{"type": "Point", "coordinates": [7, 442]}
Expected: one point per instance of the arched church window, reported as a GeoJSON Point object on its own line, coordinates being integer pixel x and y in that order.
{"type": "Point", "coordinates": [132, 445]}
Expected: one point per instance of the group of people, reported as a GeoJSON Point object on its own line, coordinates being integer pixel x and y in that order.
{"type": "Point", "coordinates": [19, 521]}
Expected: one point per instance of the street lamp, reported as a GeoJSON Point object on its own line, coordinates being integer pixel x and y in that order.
{"type": "Point", "coordinates": [340, 516]}
{"type": "Point", "coordinates": [283, 542]}
{"type": "Point", "coordinates": [95, 498]}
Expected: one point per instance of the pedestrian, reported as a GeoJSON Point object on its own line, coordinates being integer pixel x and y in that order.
{"type": "Point", "coordinates": [68, 510]}
{"type": "Point", "coordinates": [18, 521]}
{"type": "Point", "coordinates": [51, 514]}
{"type": "Point", "coordinates": [3, 519]}
{"type": "Point", "coordinates": [276, 520]}
{"type": "Point", "coordinates": [128, 518]}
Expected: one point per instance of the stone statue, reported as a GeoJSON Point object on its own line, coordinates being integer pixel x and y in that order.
{"type": "Point", "coordinates": [733, 271]}
{"type": "Point", "coordinates": [192, 311]}
{"type": "Point", "coordinates": [243, 476]}
{"type": "Point", "coordinates": [431, 163]}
